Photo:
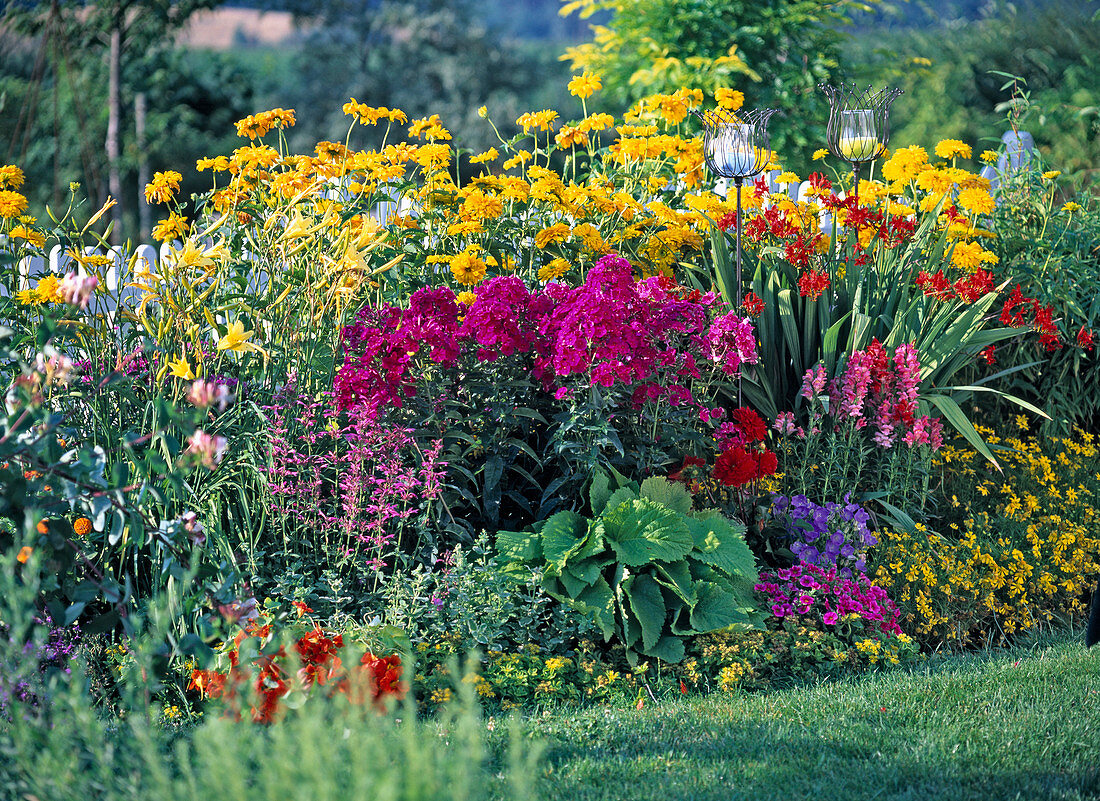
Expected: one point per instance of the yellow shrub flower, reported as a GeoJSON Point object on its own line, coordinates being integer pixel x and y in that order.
{"type": "Point", "coordinates": [729, 98]}
{"type": "Point", "coordinates": [12, 204]}
{"type": "Point", "coordinates": [11, 177]}
{"type": "Point", "coordinates": [583, 86]}
{"type": "Point", "coordinates": [953, 148]}
{"type": "Point", "coordinates": [163, 187]}
{"type": "Point", "coordinates": [468, 268]}
{"type": "Point", "coordinates": [976, 201]}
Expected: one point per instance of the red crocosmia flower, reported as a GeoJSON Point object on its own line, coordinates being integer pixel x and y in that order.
{"type": "Point", "coordinates": [734, 467]}
{"type": "Point", "coordinates": [756, 228]}
{"type": "Point", "coordinates": [820, 182]}
{"type": "Point", "coordinates": [752, 304]}
{"type": "Point", "coordinates": [1085, 338]}
{"type": "Point", "coordinates": [1051, 342]}
{"type": "Point", "coordinates": [726, 220]}
{"type": "Point", "coordinates": [812, 283]}
{"type": "Point", "coordinates": [750, 423]}
{"type": "Point", "coordinates": [988, 355]}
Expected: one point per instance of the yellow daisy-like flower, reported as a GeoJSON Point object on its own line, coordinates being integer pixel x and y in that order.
{"type": "Point", "coordinates": [558, 232]}
{"type": "Point", "coordinates": [966, 255]}
{"type": "Point", "coordinates": [953, 148]}
{"type": "Point", "coordinates": [583, 86]}
{"type": "Point", "coordinates": [539, 120]}
{"type": "Point", "coordinates": [468, 268]}
{"type": "Point", "coordinates": [163, 187]}
{"type": "Point", "coordinates": [821, 153]}
{"type": "Point", "coordinates": [173, 228]}
{"type": "Point", "coordinates": [989, 156]}
{"type": "Point", "coordinates": [729, 98]}
{"type": "Point", "coordinates": [12, 204]}
{"type": "Point", "coordinates": [1050, 175]}
{"type": "Point", "coordinates": [521, 157]}
{"type": "Point", "coordinates": [32, 237]}
{"type": "Point", "coordinates": [906, 164]}
{"type": "Point", "coordinates": [976, 201]}
{"type": "Point", "coordinates": [236, 339]}
{"type": "Point", "coordinates": [466, 297]}
{"type": "Point", "coordinates": [489, 155]}
{"type": "Point", "coordinates": [11, 177]}
{"type": "Point", "coordinates": [555, 269]}
{"type": "Point", "coordinates": [181, 369]}
{"type": "Point", "coordinates": [935, 181]}
{"type": "Point", "coordinates": [1071, 207]}
{"type": "Point", "coordinates": [786, 178]}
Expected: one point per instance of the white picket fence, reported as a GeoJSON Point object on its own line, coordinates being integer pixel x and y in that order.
{"type": "Point", "coordinates": [1018, 147]}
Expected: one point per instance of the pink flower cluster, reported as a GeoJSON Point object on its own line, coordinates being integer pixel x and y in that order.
{"type": "Point", "coordinates": [806, 589]}
{"type": "Point", "coordinates": [877, 390]}
{"type": "Point", "coordinates": [652, 335]}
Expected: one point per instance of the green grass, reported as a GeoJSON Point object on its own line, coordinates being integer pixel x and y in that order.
{"type": "Point", "coordinates": [1022, 723]}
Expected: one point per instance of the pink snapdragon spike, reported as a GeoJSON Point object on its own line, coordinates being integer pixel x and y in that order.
{"type": "Point", "coordinates": [204, 394]}
{"type": "Point", "coordinates": [77, 289]}
{"type": "Point", "coordinates": [813, 383]}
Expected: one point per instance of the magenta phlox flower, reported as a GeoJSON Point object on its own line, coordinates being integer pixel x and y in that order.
{"type": "Point", "coordinates": [731, 342]}
{"type": "Point", "coordinates": [829, 598]}
{"type": "Point", "coordinates": [501, 319]}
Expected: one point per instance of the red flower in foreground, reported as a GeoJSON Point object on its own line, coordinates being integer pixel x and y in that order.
{"type": "Point", "coordinates": [1085, 338]}
{"type": "Point", "coordinates": [726, 220]}
{"type": "Point", "coordinates": [987, 355]}
{"type": "Point", "coordinates": [752, 426]}
{"type": "Point", "coordinates": [736, 467]}
{"type": "Point", "coordinates": [812, 283]}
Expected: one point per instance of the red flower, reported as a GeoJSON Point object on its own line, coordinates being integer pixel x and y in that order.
{"type": "Point", "coordinates": [987, 355]}
{"type": "Point", "coordinates": [819, 181]}
{"type": "Point", "coordinates": [208, 682]}
{"type": "Point", "coordinates": [726, 220]}
{"type": "Point", "coordinates": [752, 426]}
{"type": "Point", "coordinates": [1085, 339]}
{"type": "Point", "coordinates": [767, 463]}
{"type": "Point", "coordinates": [752, 305]}
{"type": "Point", "coordinates": [734, 467]}
{"type": "Point", "coordinates": [812, 283]}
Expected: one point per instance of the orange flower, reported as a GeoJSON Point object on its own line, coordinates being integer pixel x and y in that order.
{"type": "Point", "coordinates": [25, 554]}
{"type": "Point", "coordinates": [43, 528]}
{"type": "Point", "coordinates": [82, 527]}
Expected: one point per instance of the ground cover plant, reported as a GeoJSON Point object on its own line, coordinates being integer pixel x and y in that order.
{"type": "Point", "coordinates": [414, 443]}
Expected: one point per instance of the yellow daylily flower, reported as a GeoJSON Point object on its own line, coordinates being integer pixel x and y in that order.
{"type": "Point", "coordinates": [236, 339]}
{"type": "Point", "coordinates": [181, 369]}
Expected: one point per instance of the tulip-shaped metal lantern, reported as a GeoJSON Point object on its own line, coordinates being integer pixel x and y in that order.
{"type": "Point", "coordinates": [736, 146]}
{"type": "Point", "coordinates": [859, 124]}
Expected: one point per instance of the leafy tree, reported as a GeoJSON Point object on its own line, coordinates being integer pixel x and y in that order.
{"type": "Point", "coordinates": [775, 51]}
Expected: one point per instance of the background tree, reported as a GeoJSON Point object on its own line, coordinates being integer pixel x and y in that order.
{"type": "Point", "coordinates": [775, 51]}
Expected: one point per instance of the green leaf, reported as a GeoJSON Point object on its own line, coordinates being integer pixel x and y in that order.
{"type": "Point", "coordinates": [670, 493]}
{"type": "Point", "coordinates": [719, 544]}
{"type": "Point", "coordinates": [668, 649]}
{"type": "Point", "coordinates": [962, 424]}
{"type": "Point", "coordinates": [716, 608]}
{"type": "Point", "coordinates": [648, 606]}
{"type": "Point", "coordinates": [598, 602]}
{"type": "Point", "coordinates": [520, 546]}
{"type": "Point", "coordinates": [677, 577]}
{"type": "Point", "coordinates": [599, 492]}
{"type": "Point", "coordinates": [562, 536]}
{"type": "Point", "coordinates": [641, 531]}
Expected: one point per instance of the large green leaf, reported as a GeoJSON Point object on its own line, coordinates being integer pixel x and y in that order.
{"type": "Point", "coordinates": [598, 602]}
{"type": "Point", "coordinates": [599, 491]}
{"type": "Point", "coordinates": [563, 535]}
{"type": "Point", "coordinates": [958, 419]}
{"type": "Point", "coordinates": [668, 649]}
{"type": "Point", "coordinates": [677, 577]}
{"type": "Point", "coordinates": [719, 543]}
{"type": "Point", "coordinates": [641, 531]}
{"type": "Point", "coordinates": [715, 609]}
{"type": "Point", "coordinates": [519, 546]}
{"type": "Point", "coordinates": [648, 606]}
{"type": "Point", "coordinates": [672, 494]}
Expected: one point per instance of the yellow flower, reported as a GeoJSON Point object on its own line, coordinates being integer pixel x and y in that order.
{"type": "Point", "coordinates": [555, 269]}
{"type": "Point", "coordinates": [466, 297]}
{"type": "Point", "coordinates": [163, 187]}
{"type": "Point", "coordinates": [786, 178]}
{"type": "Point", "coordinates": [175, 227]}
{"type": "Point", "coordinates": [583, 86]}
{"type": "Point", "coordinates": [236, 339]}
{"type": "Point", "coordinates": [976, 201]}
{"type": "Point", "coordinates": [1050, 175]}
{"type": "Point", "coordinates": [12, 204]}
{"type": "Point", "coordinates": [35, 238]}
{"type": "Point", "coordinates": [467, 268]}
{"type": "Point", "coordinates": [989, 156]}
{"type": "Point", "coordinates": [953, 148]}
{"type": "Point", "coordinates": [11, 177]}
{"type": "Point", "coordinates": [181, 369]}
{"type": "Point", "coordinates": [521, 157]}
{"type": "Point", "coordinates": [906, 164]}
{"type": "Point", "coordinates": [729, 98]}
{"type": "Point", "coordinates": [558, 232]}
{"type": "Point", "coordinates": [821, 153]}
{"type": "Point", "coordinates": [966, 255]}
{"type": "Point", "coordinates": [539, 120]}
{"type": "Point", "coordinates": [489, 155]}
{"type": "Point", "coordinates": [1071, 207]}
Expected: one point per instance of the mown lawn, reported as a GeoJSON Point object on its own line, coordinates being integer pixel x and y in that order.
{"type": "Point", "coordinates": [1011, 724]}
